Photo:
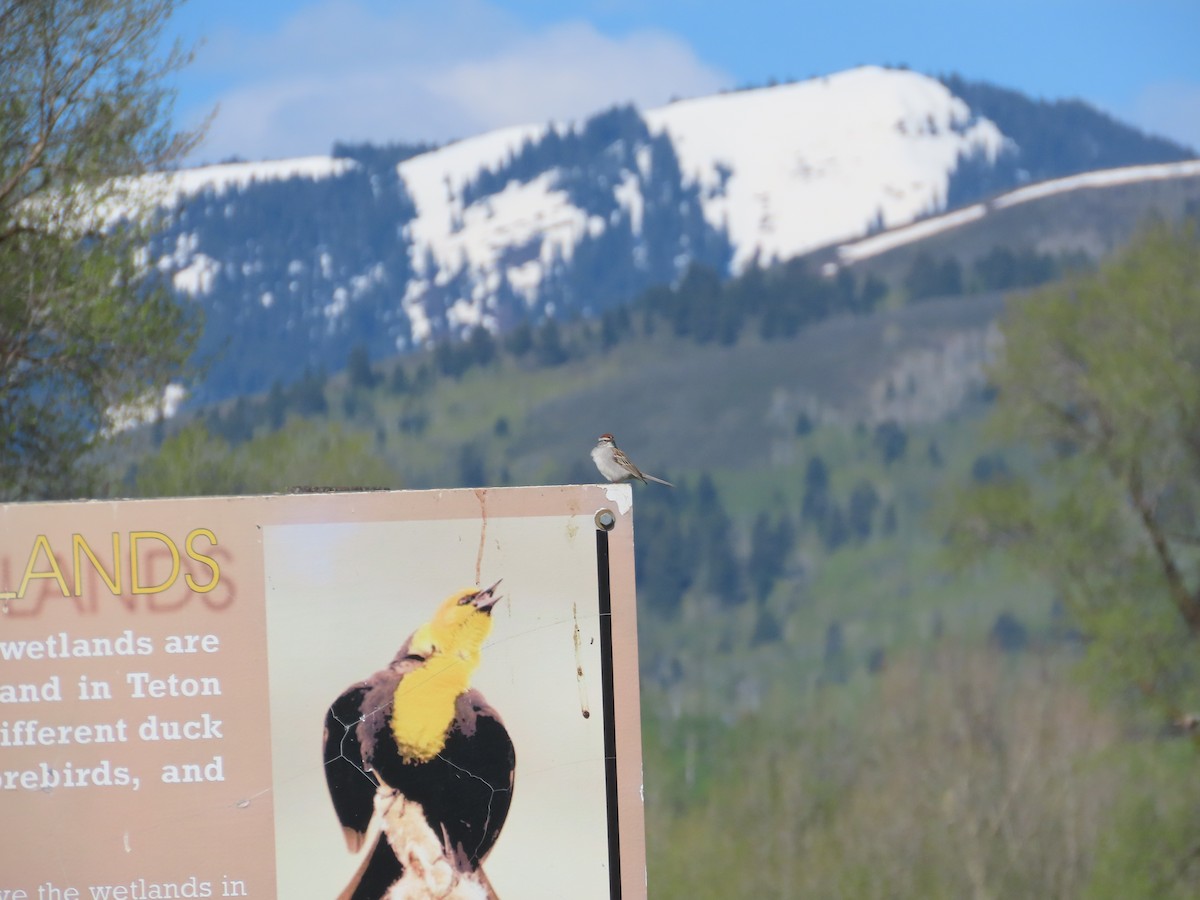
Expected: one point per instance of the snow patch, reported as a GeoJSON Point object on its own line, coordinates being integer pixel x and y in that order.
{"type": "Point", "coordinates": [196, 279]}
{"type": "Point", "coordinates": [339, 304]}
{"type": "Point", "coordinates": [792, 168]}
{"type": "Point", "coordinates": [629, 196]}
{"type": "Point", "coordinates": [1103, 178]}
{"type": "Point", "coordinates": [166, 190]}
{"type": "Point", "coordinates": [898, 237]}
{"type": "Point", "coordinates": [176, 186]}
{"type": "Point", "coordinates": [147, 410]}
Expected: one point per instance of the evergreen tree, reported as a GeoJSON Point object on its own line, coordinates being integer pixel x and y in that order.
{"type": "Point", "coordinates": [472, 468]}
{"type": "Point", "coordinates": [1008, 633]}
{"type": "Point", "coordinates": [817, 499]}
{"type": "Point", "coordinates": [928, 277]}
{"type": "Point", "coordinates": [834, 527]}
{"type": "Point", "coordinates": [891, 440]}
{"type": "Point", "coordinates": [358, 368]}
{"type": "Point", "coordinates": [713, 530]}
{"type": "Point", "coordinates": [548, 344]}
{"type": "Point", "coordinates": [481, 347]}
{"type": "Point", "coordinates": [308, 394]}
{"type": "Point", "coordinates": [520, 340]}
{"type": "Point", "coordinates": [398, 383]}
{"type": "Point", "coordinates": [1052, 139]}
{"type": "Point", "coordinates": [666, 562]}
{"type": "Point", "coordinates": [864, 500]}
{"type": "Point", "coordinates": [276, 410]}
{"type": "Point", "coordinates": [770, 545]}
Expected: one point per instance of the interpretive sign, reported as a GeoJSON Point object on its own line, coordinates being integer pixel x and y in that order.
{"type": "Point", "coordinates": [402, 694]}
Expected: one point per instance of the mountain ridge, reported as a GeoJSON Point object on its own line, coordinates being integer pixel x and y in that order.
{"type": "Point", "coordinates": [296, 261]}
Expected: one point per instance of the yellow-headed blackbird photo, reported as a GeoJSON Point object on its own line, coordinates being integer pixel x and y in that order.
{"type": "Point", "coordinates": [419, 767]}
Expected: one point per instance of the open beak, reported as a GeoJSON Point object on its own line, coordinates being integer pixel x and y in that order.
{"type": "Point", "coordinates": [487, 598]}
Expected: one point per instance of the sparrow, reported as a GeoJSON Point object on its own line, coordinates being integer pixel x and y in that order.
{"type": "Point", "coordinates": [616, 466]}
{"type": "Point", "coordinates": [419, 762]}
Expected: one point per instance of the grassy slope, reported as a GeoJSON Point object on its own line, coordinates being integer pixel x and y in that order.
{"type": "Point", "coordinates": [675, 406]}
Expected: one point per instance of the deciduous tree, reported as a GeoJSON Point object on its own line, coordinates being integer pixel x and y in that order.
{"type": "Point", "coordinates": [84, 328]}
{"type": "Point", "coordinates": [1100, 380]}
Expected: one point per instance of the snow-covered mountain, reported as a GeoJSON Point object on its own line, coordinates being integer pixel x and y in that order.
{"type": "Point", "coordinates": [779, 171]}
{"type": "Point", "coordinates": [297, 261]}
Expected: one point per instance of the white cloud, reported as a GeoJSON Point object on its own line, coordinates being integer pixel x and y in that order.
{"type": "Point", "coordinates": [338, 70]}
{"type": "Point", "coordinates": [569, 71]}
{"type": "Point", "coordinates": [1170, 109]}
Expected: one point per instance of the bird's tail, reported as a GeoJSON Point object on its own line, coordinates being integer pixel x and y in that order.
{"type": "Point", "coordinates": [657, 480]}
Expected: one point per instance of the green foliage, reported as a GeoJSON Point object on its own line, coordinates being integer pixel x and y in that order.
{"type": "Point", "coordinates": [1100, 378]}
{"type": "Point", "coordinates": [87, 335]}
{"type": "Point", "coordinates": [194, 462]}
{"type": "Point", "coordinates": [1148, 847]}
{"type": "Point", "coordinates": [955, 775]}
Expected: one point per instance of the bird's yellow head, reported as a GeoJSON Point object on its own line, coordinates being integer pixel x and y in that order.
{"type": "Point", "coordinates": [459, 627]}
{"type": "Point", "coordinates": [448, 649]}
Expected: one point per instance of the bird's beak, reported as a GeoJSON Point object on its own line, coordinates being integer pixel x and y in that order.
{"type": "Point", "coordinates": [486, 599]}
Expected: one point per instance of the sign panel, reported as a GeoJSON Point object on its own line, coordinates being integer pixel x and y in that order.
{"type": "Point", "coordinates": [401, 694]}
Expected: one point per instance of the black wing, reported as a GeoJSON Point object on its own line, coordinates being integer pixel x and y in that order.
{"type": "Point", "coordinates": [351, 787]}
{"type": "Point", "coordinates": [484, 761]}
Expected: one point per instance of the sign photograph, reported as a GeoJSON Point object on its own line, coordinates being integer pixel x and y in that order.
{"type": "Point", "coordinates": [382, 694]}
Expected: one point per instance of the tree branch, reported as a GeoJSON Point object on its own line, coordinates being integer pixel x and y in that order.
{"type": "Point", "coordinates": [1185, 601]}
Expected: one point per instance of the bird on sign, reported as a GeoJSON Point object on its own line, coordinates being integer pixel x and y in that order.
{"type": "Point", "coordinates": [419, 762]}
{"type": "Point", "coordinates": [616, 466]}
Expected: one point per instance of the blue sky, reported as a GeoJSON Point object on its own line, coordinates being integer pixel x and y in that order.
{"type": "Point", "coordinates": [289, 77]}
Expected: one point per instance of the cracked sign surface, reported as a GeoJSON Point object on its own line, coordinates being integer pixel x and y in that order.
{"type": "Point", "coordinates": [393, 694]}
